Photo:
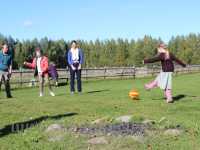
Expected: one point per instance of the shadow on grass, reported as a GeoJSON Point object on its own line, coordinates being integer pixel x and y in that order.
{"type": "Point", "coordinates": [61, 94]}
{"type": "Point", "coordinates": [97, 91]}
{"type": "Point", "coordinates": [21, 126]}
{"type": "Point", "coordinates": [62, 84]}
{"type": "Point", "coordinates": [178, 97]}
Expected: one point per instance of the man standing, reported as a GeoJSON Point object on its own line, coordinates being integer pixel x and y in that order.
{"type": "Point", "coordinates": [75, 60]}
{"type": "Point", "coordinates": [6, 68]}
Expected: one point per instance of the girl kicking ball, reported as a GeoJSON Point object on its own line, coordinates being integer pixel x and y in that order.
{"type": "Point", "coordinates": [164, 79]}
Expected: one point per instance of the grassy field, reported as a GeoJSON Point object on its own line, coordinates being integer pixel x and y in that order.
{"type": "Point", "coordinates": [104, 99]}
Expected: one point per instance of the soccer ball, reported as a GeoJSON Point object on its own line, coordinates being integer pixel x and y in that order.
{"type": "Point", "coordinates": [134, 94]}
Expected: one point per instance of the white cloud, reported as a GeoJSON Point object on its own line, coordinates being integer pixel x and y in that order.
{"type": "Point", "coordinates": [27, 23]}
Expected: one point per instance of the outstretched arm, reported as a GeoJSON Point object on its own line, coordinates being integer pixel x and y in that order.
{"type": "Point", "coordinates": [152, 60]}
{"type": "Point", "coordinates": [178, 61]}
{"type": "Point", "coordinates": [31, 65]}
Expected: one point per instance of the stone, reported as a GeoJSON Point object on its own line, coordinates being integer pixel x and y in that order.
{"type": "Point", "coordinates": [139, 138]}
{"type": "Point", "coordinates": [98, 141]}
{"type": "Point", "coordinates": [98, 121]}
{"type": "Point", "coordinates": [125, 119]}
{"type": "Point", "coordinates": [148, 122]}
{"type": "Point", "coordinates": [55, 127]}
{"type": "Point", "coordinates": [172, 132]}
{"type": "Point", "coordinates": [55, 132]}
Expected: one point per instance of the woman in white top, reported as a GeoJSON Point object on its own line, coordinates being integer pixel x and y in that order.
{"type": "Point", "coordinates": [75, 60]}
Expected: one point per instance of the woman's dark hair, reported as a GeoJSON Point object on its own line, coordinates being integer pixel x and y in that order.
{"type": "Point", "coordinates": [74, 41]}
{"type": "Point", "coordinates": [5, 43]}
{"type": "Point", "coordinates": [39, 49]}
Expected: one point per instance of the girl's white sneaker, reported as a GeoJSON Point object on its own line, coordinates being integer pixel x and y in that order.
{"type": "Point", "coordinates": [52, 94]}
{"type": "Point", "coordinates": [41, 94]}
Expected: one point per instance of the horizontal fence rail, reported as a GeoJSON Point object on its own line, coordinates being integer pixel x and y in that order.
{"type": "Point", "coordinates": [21, 78]}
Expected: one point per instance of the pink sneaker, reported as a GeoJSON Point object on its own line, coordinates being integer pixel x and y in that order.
{"type": "Point", "coordinates": [147, 87]}
{"type": "Point", "coordinates": [168, 94]}
{"type": "Point", "coordinates": [170, 101]}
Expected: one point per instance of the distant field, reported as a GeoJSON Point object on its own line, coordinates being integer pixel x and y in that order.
{"type": "Point", "coordinates": [104, 99]}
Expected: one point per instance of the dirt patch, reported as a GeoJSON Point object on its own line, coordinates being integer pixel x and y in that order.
{"type": "Point", "coordinates": [124, 129]}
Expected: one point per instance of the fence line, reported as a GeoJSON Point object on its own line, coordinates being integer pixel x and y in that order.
{"type": "Point", "coordinates": [21, 77]}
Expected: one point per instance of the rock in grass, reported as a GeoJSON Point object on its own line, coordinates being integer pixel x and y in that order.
{"type": "Point", "coordinates": [148, 122]}
{"type": "Point", "coordinates": [98, 141]}
{"type": "Point", "coordinates": [55, 132]}
{"type": "Point", "coordinates": [99, 121]}
{"type": "Point", "coordinates": [138, 138]}
{"type": "Point", "coordinates": [124, 119]}
{"type": "Point", "coordinates": [54, 127]}
{"type": "Point", "coordinates": [173, 132]}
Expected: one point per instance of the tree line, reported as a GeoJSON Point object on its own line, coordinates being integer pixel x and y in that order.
{"type": "Point", "coordinates": [104, 53]}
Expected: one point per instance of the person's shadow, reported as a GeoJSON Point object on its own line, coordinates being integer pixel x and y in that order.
{"type": "Point", "coordinates": [21, 126]}
{"type": "Point", "coordinates": [178, 97]}
{"type": "Point", "coordinates": [97, 91]}
{"type": "Point", "coordinates": [182, 96]}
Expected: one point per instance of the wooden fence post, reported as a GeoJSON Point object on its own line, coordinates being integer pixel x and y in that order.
{"type": "Point", "coordinates": [21, 76]}
{"type": "Point", "coordinates": [122, 74]}
{"type": "Point", "coordinates": [86, 78]}
{"type": "Point", "coordinates": [152, 71]}
{"type": "Point", "coordinates": [105, 73]}
{"type": "Point", "coordinates": [134, 72]}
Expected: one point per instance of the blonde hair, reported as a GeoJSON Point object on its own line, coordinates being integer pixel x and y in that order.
{"type": "Point", "coordinates": [167, 53]}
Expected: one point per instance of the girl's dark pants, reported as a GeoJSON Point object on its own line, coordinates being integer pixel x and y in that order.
{"type": "Point", "coordinates": [75, 73]}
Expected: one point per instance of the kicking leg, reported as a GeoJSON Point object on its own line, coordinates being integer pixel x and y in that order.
{"type": "Point", "coordinates": [151, 85]}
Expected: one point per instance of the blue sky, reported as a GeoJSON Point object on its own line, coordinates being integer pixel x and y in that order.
{"type": "Point", "coordinates": [103, 19]}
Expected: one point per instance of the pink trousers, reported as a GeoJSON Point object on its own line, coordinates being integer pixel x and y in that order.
{"type": "Point", "coordinates": [154, 84]}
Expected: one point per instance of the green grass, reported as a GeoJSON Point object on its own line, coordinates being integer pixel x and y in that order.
{"type": "Point", "coordinates": [111, 102]}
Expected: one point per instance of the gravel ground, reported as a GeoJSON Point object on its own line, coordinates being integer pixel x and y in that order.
{"type": "Point", "coordinates": [123, 129]}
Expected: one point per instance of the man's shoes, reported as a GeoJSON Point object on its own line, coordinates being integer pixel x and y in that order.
{"type": "Point", "coordinates": [10, 96]}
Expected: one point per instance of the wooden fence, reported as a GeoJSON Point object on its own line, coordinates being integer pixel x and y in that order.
{"type": "Point", "coordinates": [25, 77]}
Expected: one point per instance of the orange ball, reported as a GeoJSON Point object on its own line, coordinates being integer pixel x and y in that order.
{"type": "Point", "coordinates": [134, 94]}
